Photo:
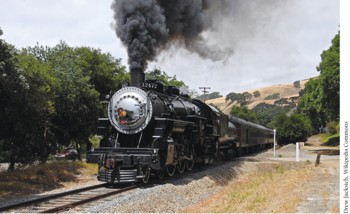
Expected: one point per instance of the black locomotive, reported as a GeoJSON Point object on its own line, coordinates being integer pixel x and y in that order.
{"type": "Point", "coordinates": [155, 129]}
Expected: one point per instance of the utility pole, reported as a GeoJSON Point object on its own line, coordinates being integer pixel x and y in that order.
{"type": "Point", "coordinates": [205, 91]}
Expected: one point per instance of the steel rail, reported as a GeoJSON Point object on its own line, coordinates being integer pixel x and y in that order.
{"type": "Point", "coordinates": [84, 201]}
{"type": "Point", "coordinates": [46, 198]}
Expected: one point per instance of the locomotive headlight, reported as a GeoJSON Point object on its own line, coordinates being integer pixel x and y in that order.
{"type": "Point", "coordinates": [130, 110]}
{"type": "Point", "coordinates": [121, 113]}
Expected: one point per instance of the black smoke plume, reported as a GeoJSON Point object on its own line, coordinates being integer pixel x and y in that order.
{"type": "Point", "coordinates": [148, 26]}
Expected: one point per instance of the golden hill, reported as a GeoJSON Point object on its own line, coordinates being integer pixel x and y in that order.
{"type": "Point", "coordinates": [285, 91]}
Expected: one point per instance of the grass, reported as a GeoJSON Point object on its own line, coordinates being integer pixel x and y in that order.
{"type": "Point", "coordinates": [43, 177]}
{"type": "Point", "coordinates": [330, 140]}
{"type": "Point", "coordinates": [324, 137]}
{"type": "Point", "coordinates": [270, 190]}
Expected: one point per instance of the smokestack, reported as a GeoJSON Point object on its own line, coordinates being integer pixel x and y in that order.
{"type": "Point", "coordinates": [137, 77]}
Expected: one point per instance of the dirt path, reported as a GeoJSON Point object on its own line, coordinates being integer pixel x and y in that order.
{"type": "Point", "coordinates": [321, 193]}
{"type": "Point", "coordinates": [314, 140]}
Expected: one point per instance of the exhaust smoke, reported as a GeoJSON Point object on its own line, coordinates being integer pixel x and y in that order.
{"type": "Point", "coordinates": [147, 27]}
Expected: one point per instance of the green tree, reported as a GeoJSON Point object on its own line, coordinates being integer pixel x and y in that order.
{"type": "Point", "coordinates": [104, 71]}
{"type": "Point", "coordinates": [241, 98]}
{"type": "Point", "coordinates": [296, 84]}
{"type": "Point", "coordinates": [232, 96]}
{"type": "Point", "coordinates": [209, 96]}
{"type": "Point", "coordinates": [244, 113]}
{"type": "Point", "coordinates": [246, 98]}
{"type": "Point", "coordinates": [26, 97]}
{"type": "Point", "coordinates": [310, 103]}
{"type": "Point", "coordinates": [12, 85]}
{"type": "Point", "coordinates": [158, 74]}
{"type": "Point", "coordinates": [77, 104]}
{"type": "Point", "coordinates": [295, 128]}
{"type": "Point", "coordinates": [40, 104]}
{"type": "Point", "coordinates": [320, 98]}
{"type": "Point", "coordinates": [283, 102]}
{"type": "Point", "coordinates": [267, 112]}
{"type": "Point", "coordinates": [329, 69]}
{"type": "Point", "coordinates": [86, 76]}
{"type": "Point", "coordinates": [51, 95]}
{"type": "Point", "coordinates": [256, 94]}
{"type": "Point", "coordinates": [272, 96]}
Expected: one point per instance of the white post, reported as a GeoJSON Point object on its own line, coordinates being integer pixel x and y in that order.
{"type": "Point", "coordinates": [274, 142]}
{"type": "Point", "coordinates": [297, 151]}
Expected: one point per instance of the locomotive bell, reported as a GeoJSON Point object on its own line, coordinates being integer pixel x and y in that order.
{"type": "Point", "coordinates": [130, 110]}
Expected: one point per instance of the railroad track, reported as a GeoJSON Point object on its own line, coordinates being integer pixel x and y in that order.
{"type": "Point", "coordinates": [73, 198]}
{"type": "Point", "coordinates": [66, 200]}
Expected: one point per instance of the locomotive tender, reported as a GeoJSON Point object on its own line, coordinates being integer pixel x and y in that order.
{"type": "Point", "coordinates": [157, 130]}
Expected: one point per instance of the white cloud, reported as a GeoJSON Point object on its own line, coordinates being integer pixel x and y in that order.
{"type": "Point", "coordinates": [272, 45]}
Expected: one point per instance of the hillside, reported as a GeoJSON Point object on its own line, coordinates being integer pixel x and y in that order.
{"type": "Point", "coordinates": [285, 91]}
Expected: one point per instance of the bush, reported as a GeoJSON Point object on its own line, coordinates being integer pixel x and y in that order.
{"type": "Point", "coordinates": [333, 127]}
{"type": "Point", "coordinates": [332, 141]}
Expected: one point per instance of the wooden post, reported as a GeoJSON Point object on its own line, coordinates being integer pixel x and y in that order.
{"type": "Point", "coordinates": [318, 159]}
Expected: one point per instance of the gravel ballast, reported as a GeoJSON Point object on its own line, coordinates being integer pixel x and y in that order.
{"type": "Point", "coordinates": [173, 196]}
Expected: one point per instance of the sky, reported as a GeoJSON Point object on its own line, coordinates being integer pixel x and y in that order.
{"type": "Point", "coordinates": [271, 41]}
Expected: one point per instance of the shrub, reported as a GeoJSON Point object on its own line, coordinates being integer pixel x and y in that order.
{"type": "Point", "coordinates": [333, 141]}
{"type": "Point", "coordinates": [333, 127]}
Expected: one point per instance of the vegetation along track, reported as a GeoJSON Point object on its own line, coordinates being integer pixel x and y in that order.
{"type": "Point", "coordinates": [66, 200]}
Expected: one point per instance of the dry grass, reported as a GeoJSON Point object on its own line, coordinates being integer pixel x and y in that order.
{"type": "Point", "coordinates": [335, 209]}
{"type": "Point", "coordinates": [270, 189]}
{"type": "Point", "coordinates": [285, 91]}
{"type": "Point", "coordinates": [42, 177]}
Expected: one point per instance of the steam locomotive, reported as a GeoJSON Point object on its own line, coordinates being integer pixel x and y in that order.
{"type": "Point", "coordinates": [156, 130]}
